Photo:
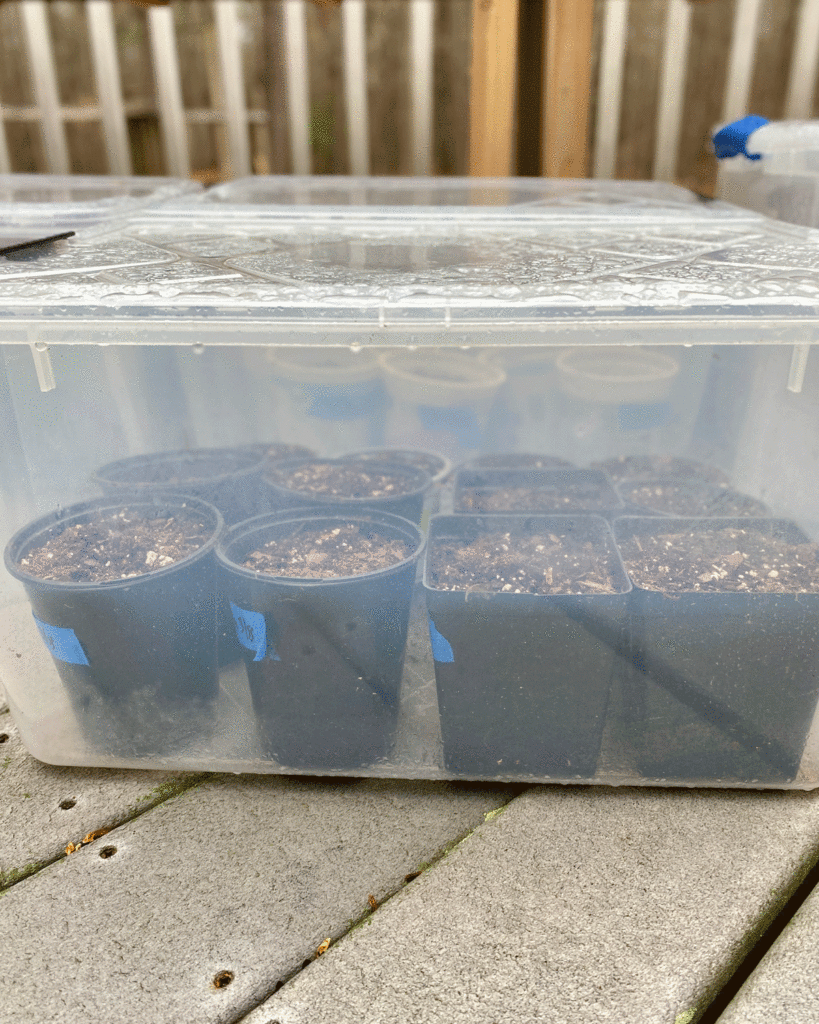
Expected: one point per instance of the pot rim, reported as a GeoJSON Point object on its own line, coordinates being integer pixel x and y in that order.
{"type": "Point", "coordinates": [334, 514]}
{"type": "Point", "coordinates": [64, 517]}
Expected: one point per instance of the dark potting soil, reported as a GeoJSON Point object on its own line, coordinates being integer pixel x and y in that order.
{"type": "Point", "coordinates": [625, 467]}
{"type": "Point", "coordinates": [327, 553]}
{"type": "Point", "coordinates": [726, 559]}
{"type": "Point", "coordinates": [337, 480]}
{"type": "Point", "coordinates": [691, 498]}
{"type": "Point", "coordinates": [116, 546]}
{"type": "Point", "coordinates": [572, 497]}
{"type": "Point", "coordinates": [541, 563]}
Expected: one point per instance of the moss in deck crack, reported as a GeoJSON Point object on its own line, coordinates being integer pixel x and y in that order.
{"type": "Point", "coordinates": [14, 875]}
{"type": "Point", "coordinates": [167, 791]}
{"type": "Point", "coordinates": [685, 1017]}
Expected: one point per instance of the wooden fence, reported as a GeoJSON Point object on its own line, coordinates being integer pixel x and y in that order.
{"type": "Point", "coordinates": [613, 88]}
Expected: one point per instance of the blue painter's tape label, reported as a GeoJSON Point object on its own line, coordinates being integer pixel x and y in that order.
{"type": "Point", "coordinates": [251, 632]}
{"type": "Point", "coordinates": [62, 643]}
{"type": "Point", "coordinates": [732, 140]}
{"type": "Point", "coordinates": [441, 647]}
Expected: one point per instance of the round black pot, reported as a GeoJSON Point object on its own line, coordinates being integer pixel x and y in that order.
{"type": "Point", "coordinates": [226, 477]}
{"type": "Point", "coordinates": [408, 505]}
{"type": "Point", "coordinates": [137, 656]}
{"type": "Point", "coordinates": [324, 657]}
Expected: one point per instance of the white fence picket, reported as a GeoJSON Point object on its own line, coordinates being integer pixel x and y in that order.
{"type": "Point", "coordinates": [109, 87]}
{"type": "Point", "coordinates": [41, 59]}
{"type": "Point", "coordinates": [422, 48]}
{"type": "Point", "coordinates": [298, 86]}
{"type": "Point", "coordinates": [610, 87]}
{"type": "Point", "coordinates": [228, 34]}
{"type": "Point", "coordinates": [169, 91]}
{"type": "Point", "coordinates": [672, 89]}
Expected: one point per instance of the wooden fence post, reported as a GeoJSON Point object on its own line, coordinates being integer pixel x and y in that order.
{"type": "Point", "coordinates": [492, 88]}
{"type": "Point", "coordinates": [566, 88]}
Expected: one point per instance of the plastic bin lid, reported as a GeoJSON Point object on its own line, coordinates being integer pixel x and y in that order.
{"type": "Point", "coordinates": [591, 272]}
{"type": "Point", "coordinates": [71, 201]}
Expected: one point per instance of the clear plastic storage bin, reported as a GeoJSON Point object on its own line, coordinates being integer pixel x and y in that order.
{"type": "Point", "coordinates": [524, 491]}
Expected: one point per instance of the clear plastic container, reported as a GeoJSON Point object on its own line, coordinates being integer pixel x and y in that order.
{"type": "Point", "coordinates": [780, 176]}
{"type": "Point", "coordinates": [272, 353]}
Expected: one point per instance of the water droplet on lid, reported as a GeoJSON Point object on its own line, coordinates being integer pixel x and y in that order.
{"type": "Point", "coordinates": [41, 346]}
{"type": "Point", "coordinates": [355, 347]}
{"type": "Point", "coordinates": [198, 349]}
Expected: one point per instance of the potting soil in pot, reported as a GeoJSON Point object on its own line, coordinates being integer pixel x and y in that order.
{"type": "Point", "coordinates": [533, 490]}
{"type": "Point", "coordinates": [688, 498]}
{"type": "Point", "coordinates": [391, 487]}
{"type": "Point", "coordinates": [525, 614]}
{"type": "Point", "coordinates": [629, 467]}
{"type": "Point", "coordinates": [116, 546]}
{"type": "Point", "coordinates": [723, 674]}
{"type": "Point", "coordinates": [327, 553]}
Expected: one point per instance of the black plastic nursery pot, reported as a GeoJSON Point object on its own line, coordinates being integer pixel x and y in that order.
{"type": "Point", "coordinates": [137, 656]}
{"type": "Point", "coordinates": [718, 686]}
{"type": "Point", "coordinates": [672, 496]}
{"type": "Point", "coordinates": [548, 491]}
{"type": "Point", "coordinates": [412, 484]}
{"type": "Point", "coordinates": [324, 657]}
{"type": "Point", "coordinates": [228, 478]}
{"type": "Point", "coordinates": [523, 680]}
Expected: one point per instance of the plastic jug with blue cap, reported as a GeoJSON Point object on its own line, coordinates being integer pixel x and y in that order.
{"type": "Point", "coordinates": [771, 167]}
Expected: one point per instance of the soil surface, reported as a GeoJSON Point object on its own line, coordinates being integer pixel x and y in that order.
{"type": "Point", "coordinates": [690, 498]}
{"type": "Point", "coordinates": [326, 553]}
{"type": "Point", "coordinates": [520, 460]}
{"type": "Point", "coordinates": [180, 470]}
{"type": "Point", "coordinates": [353, 480]}
{"type": "Point", "coordinates": [117, 546]}
{"type": "Point", "coordinates": [541, 563]}
{"type": "Point", "coordinates": [716, 560]}
{"type": "Point", "coordinates": [627, 467]}
{"type": "Point", "coordinates": [431, 464]}
{"type": "Point", "coordinates": [570, 497]}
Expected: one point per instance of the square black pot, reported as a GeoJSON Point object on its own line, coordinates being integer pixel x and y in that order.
{"type": "Point", "coordinates": [553, 491]}
{"type": "Point", "coordinates": [138, 656]}
{"type": "Point", "coordinates": [523, 680]}
{"type": "Point", "coordinates": [720, 687]}
{"type": "Point", "coordinates": [324, 657]}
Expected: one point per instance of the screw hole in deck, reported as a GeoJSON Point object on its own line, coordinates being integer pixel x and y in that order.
{"type": "Point", "coordinates": [66, 805]}
{"type": "Point", "coordinates": [223, 979]}
{"type": "Point", "coordinates": [107, 851]}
